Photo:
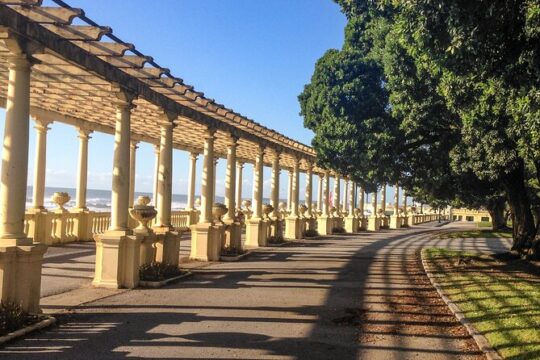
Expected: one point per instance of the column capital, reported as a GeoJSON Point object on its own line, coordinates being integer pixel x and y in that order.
{"type": "Point", "coordinates": [42, 124]}
{"type": "Point", "coordinates": [123, 99]}
{"type": "Point", "coordinates": [84, 133]}
{"type": "Point", "coordinates": [210, 133]}
{"type": "Point", "coordinates": [239, 164]}
{"type": "Point", "coordinates": [193, 155]}
{"type": "Point", "coordinates": [134, 144]}
{"type": "Point", "coordinates": [232, 140]}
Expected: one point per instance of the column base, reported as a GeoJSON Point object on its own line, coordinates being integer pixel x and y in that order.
{"type": "Point", "coordinates": [39, 226]}
{"type": "Point", "coordinates": [117, 260]}
{"type": "Point", "coordinates": [395, 222]}
{"type": "Point", "coordinates": [20, 275]}
{"type": "Point", "coordinates": [205, 242]}
{"type": "Point", "coordinates": [351, 224]}
{"type": "Point", "coordinates": [404, 221]}
{"type": "Point", "coordinates": [324, 225]}
{"type": "Point", "coordinates": [148, 246]}
{"type": "Point", "coordinates": [374, 223]}
{"type": "Point", "coordinates": [256, 233]}
{"type": "Point", "coordinates": [293, 228]}
{"type": "Point", "coordinates": [277, 229]}
{"type": "Point", "coordinates": [168, 247]}
{"type": "Point", "coordinates": [233, 235]}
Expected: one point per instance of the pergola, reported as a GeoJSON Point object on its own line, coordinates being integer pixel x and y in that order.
{"type": "Point", "coordinates": [56, 64]}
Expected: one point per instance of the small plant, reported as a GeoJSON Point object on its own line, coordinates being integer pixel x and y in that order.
{"type": "Point", "coordinates": [13, 317]}
{"type": "Point", "coordinates": [229, 251]}
{"type": "Point", "coordinates": [338, 230]}
{"type": "Point", "coordinates": [311, 233]}
{"type": "Point", "coordinates": [276, 239]}
{"type": "Point", "coordinates": [157, 271]}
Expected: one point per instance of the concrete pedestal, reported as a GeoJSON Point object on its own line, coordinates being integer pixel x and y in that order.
{"type": "Point", "coordinates": [374, 223]}
{"type": "Point", "coordinates": [233, 235]}
{"type": "Point", "coordinates": [148, 247]}
{"type": "Point", "coordinates": [205, 242]}
{"type": "Point", "coordinates": [20, 275]}
{"type": "Point", "coordinates": [324, 225]}
{"type": "Point", "coordinates": [39, 226]}
{"type": "Point", "coordinates": [395, 222]}
{"type": "Point", "coordinates": [277, 229]}
{"type": "Point", "coordinates": [256, 233]}
{"type": "Point", "coordinates": [293, 228]}
{"type": "Point", "coordinates": [168, 247]}
{"type": "Point", "coordinates": [311, 223]}
{"type": "Point", "coordinates": [117, 260]}
{"type": "Point", "coordinates": [351, 224]}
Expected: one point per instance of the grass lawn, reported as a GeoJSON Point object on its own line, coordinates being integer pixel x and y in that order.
{"type": "Point", "coordinates": [499, 294]}
{"type": "Point", "coordinates": [482, 233]}
{"type": "Point", "coordinates": [484, 224]}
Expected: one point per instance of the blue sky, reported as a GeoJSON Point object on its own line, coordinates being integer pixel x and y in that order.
{"type": "Point", "coordinates": [253, 56]}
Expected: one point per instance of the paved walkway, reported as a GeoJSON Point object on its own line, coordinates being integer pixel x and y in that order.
{"type": "Point", "coordinates": [342, 297]}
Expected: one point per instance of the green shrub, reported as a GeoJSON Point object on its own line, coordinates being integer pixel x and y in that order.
{"type": "Point", "coordinates": [338, 230]}
{"type": "Point", "coordinates": [228, 251]}
{"type": "Point", "coordinates": [276, 240]}
{"type": "Point", "coordinates": [311, 233]}
{"type": "Point", "coordinates": [12, 317]}
{"type": "Point", "coordinates": [157, 271]}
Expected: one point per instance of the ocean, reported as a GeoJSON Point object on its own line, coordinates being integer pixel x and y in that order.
{"type": "Point", "coordinates": [100, 200]}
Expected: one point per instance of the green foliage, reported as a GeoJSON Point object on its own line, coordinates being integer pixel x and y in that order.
{"type": "Point", "coordinates": [310, 233]}
{"type": "Point", "coordinates": [157, 271]}
{"type": "Point", "coordinates": [13, 318]}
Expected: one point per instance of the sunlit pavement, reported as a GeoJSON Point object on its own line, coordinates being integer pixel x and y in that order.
{"type": "Point", "coordinates": [343, 297]}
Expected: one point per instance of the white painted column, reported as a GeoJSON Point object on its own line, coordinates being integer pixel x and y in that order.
{"type": "Point", "coordinates": [325, 193]}
{"type": "Point", "coordinates": [295, 187]}
{"type": "Point", "coordinates": [156, 175]}
{"type": "Point", "coordinates": [15, 154]}
{"type": "Point", "coordinates": [164, 197]}
{"type": "Point", "coordinates": [216, 160]}
{"type": "Point", "coordinates": [320, 192]}
{"type": "Point", "coordinates": [258, 184]}
{"type": "Point", "coordinates": [239, 174]}
{"type": "Point", "coordinates": [82, 169]}
{"type": "Point", "coordinates": [404, 202]}
{"type": "Point", "coordinates": [309, 189]}
{"type": "Point", "coordinates": [191, 181]}
{"type": "Point", "coordinates": [230, 179]}
{"type": "Point", "coordinates": [120, 181]}
{"type": "Point", "coordinates": [289, 189]}
{"type": "Point", "coordinates": [40, 161]}
{"type": "Point", "coordinates": [207, 196]}
{"type": "Point", "coordinates": [132, 167]}
{"type": "Point", "coordinates": [374, 203]}
{"type": "Point", "coordinates": [274, 201]}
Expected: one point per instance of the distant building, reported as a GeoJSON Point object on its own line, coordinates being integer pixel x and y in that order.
{"type": "Point", "coordinates": [470, 215]}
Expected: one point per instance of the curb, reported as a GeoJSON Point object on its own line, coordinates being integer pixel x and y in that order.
{"type": "Point", "coordinates": [481, 341]}
{"type": "Point", "coordinates": [229, 258]}
{"type": "Point", "coordinates": [49, 321]}
{"type": "Point", "coordinates": [158, 284]}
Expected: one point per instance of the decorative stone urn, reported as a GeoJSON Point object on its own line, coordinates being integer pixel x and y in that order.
{"type": "Point", "coordinates": [218, 210]}
{"type": "Point", "coordinates": [198, 202]}
{"type": "Point", "coordinates": [143, 213]}
{"type": "Point", "coordinates": [283, 209]}
{"type": "Point", "coordinates": [246, 210]}
{"type": "Point", "coordinates": [60, 199]}
{"type": "Point", "coordinates": [357, 212]}
{"type": "Point", "coordinates": [267, 210]}
{"type": "Point", "coordinates": [333, 211]}
{"type": "Point", "coordinates": [302, 210]}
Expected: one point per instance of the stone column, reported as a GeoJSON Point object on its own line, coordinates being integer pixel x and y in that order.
{"type": "Point", "coordinates": [256, 234]}
{"type": "Point", "coordinates": [117, 250]}
{"type": "Point", "coordinates": [156, 175]}
{"type": "Point", "coordinates": [40, 163]}
{"type": "Point", "coordinates": [216, 160]}
{"type": "Point", "coordinates": [289, 189]}
{"type": "Point", "coordinates": [206, 244]}
{"type": "Point", "coordinates": [274, 201]}
{"type": "Point", "coordinates": [405, 218]}
{"type": "Point", "coordinates": [191, 181]}
{"type": "Point", "coordinates": [320, 192]}
{"type": "Point", "coordinates": [384, 219]}
{"type": "Point", "coordinates": [292, 223]}
{"type": "Point", "coordinates": [120, 184]}
{"type": "Point", "coordinates": [351, 222]}
{"type": "Point", "coordinates": [336, 193]}
{"type": "Point", "coordinates": [310, 218]}
{"type": "Point", "coordinates": [20, 259]}
{"type": "Point", "coordinates": [324, 222]}
{"type": "Point", "coordinates": [83, 221]}
{"type": "Point", "coordinates": [164, 189]}
{"type": "Point", "coordinates": [374, 221]}
{"type": "Point", "coordinates": [208, 179]}
{"type": "Point", "coordinates": [233, 232]}
{"type": "Point", "coordinates": [239, 173]}
{"type": "Point", "coordinates": [361, 201]}
{"type": "Point", "coordinates": [395, 220]}
{"type": "Point", "coordinates": [345, 204]}
{"type": "Point", "coordinates": [132, 167]}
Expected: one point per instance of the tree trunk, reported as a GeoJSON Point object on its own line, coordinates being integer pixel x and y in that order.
{"type": "Point", "coordinates": [534, 252]}
{"type": "Point", "coordinates": [496, 211]}
{"type": "Point", "coordinates": [523, 224]}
